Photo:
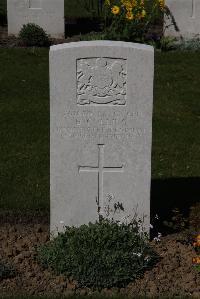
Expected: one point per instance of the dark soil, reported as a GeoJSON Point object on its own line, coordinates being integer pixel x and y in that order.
{"type": "Point", "coordinates": [173, 275]}
{"type": "Point", "coordinates": [14, 42]}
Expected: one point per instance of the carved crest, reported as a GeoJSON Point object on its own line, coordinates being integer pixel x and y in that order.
{"type": "Point", "coordinates": [101, 81]}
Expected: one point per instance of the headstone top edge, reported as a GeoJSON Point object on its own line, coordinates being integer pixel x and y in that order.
{"type": "Point", "coordinates": [101, 43]}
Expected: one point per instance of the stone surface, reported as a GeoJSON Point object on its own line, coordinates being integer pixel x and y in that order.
{"type": "Point", "coordinates": [186, 14]}
{"type": "Point", "coordinates": [48, 14]}
{"type": "Point", "coordinates": [101, 128]}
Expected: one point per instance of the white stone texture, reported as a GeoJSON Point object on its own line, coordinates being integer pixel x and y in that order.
{"type": "Point", "coordinates": [186, 14]}
{"type": "Point", "coordinates": [48, 14]}
{"type": "Point", "coordinates": [101, 129]}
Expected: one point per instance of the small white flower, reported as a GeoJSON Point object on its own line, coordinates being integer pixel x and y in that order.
{"type": "Point", "coordinates": [151, 226]}
{"type": "Point", "coordinates": [137, 253]}
{"type": "Point", "coordinates": [157, 239]}
{"type": "Point", "coordinates": [156, 216]}
{"type": "Point", "coordinates": [119, 223]}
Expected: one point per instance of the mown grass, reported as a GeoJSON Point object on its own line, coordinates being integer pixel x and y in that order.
{"type": "Point", "coordinates": [176, 122]}
{"type": "Point", "coordinates": [24, 123]}
{"type": "Point", "coordinates": [24, 133]}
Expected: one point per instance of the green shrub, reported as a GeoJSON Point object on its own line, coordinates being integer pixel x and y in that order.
{"type": "Point", "coordinates": [6, 271]}
{"type": "Point", "coordinates": [33, 35]}
{"type": "Point", "coordinates": [103, 254]}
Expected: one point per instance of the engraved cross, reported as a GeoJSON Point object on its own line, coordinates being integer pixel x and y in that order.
{"type": "Point", "coordinates": [193, 9]}
{"type": "Point", "coordinates": [100, 169]}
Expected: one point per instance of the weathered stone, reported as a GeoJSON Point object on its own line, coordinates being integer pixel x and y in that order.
{"type": "Point", "coordinates": [101, 127]}
{"type": "Point", "coordinates": [48, 14]}
{"type": "Point", "coordinates": [186, 14]}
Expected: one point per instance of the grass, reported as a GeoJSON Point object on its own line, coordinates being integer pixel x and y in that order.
{"type": "Point", "coordinates": [176, 123]}
{"type": "Point", "coordinates": [24, 134]}
{"type": "Point", "coordinates": [24, 123]}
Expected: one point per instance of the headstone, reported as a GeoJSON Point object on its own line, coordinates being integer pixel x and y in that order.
{"type": "Point", "coordinates": [101, 130]}
{"type": "Point", "coordinates": [186, 14]}
{"type": "Point", "coordinates": [48, 14]}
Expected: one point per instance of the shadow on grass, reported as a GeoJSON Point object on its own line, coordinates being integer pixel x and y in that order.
{"type": "Point", "coordinates": [168, 194]}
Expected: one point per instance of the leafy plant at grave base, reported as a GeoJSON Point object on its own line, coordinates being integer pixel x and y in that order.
{"type": "Point", "coordinates": [6, 271]}
{"type": "Point", "coordinates": [99, 255]}
{"type": "Point", "coordinates": [131, 20]}
{"type": "Point", "coordinates": [33, 35]}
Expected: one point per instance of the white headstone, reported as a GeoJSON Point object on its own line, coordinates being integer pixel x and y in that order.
{"type": "Point", "coordinates": [101, 130]}
{"type": "Point", "coordinates": [186, 14]}
{"type": "Point", "coordinates": [48, 14]}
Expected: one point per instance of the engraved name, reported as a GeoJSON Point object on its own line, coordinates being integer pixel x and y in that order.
{"type": "Point", "coordinates": [109, 125]}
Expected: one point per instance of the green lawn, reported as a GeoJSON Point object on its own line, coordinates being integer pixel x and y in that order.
{"type": "Point", "coordinates": [24, 123]}
{"type": "Point", "coordinates": [176, 123]}
{"type": "Point", "coordinates": [24, 134]}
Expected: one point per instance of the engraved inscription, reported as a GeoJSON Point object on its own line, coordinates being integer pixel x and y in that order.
{"type": "Point", "coordinates": [101, 81]}
{"type": "Point", "coordinates": [85, 124]}
{"type": "Point", "coordinates": [193, 9]}
{"type": "Point", "coordinates": [35, 4]}
{"type": "Point", "coordinates": [100, 169]}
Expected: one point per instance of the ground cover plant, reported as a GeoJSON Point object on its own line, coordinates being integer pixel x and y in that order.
{"type": "Point", "coordinates": [100, 255]}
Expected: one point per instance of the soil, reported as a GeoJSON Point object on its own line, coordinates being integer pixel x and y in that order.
{"type": "Point", "coordinates": [173, 275]}
{"type": "Point", "coordinates": [14, 42]}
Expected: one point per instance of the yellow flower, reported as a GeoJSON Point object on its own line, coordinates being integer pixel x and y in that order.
{"type": "Point", "coordinates": [128, 5]}
{"type": "Point", "coordinates": [129, 15]}
{"type": "Point", "coordinates": [133, 3]}
{"type": "Point", "coordinates": [115, 10]}
{"type": "Point", "coordinates": [198, 239]}
{"type": "Point", "coordinates": [196, 260]}
{"type": "Point", "coordinates": [161, 4]}
{"type": "Point", "coordinates": [143, 13]}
